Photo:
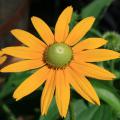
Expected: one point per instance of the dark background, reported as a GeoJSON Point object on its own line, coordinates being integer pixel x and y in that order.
{"type": "Point", "coordinates": [49, 10]}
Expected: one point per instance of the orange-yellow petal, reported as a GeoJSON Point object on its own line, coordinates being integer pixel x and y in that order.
{"type": "Point", "coordinates": [89, 43]}
{"type": "Point", "coordinates": [31, 83]}
{"type": "Point", "coordinates": [28, 39]}
{"type": "Point", "coordinates": [43, 29]}
{"type": "Point", "coordinates": [22, 52]}
{"type": "Point", "coordinates": [1, 53]}
{"type": "Point", "coordinates": [91, 70]}
{"type": "Point", "coordinates": [84, 87]}
{"type": "Point", "coordinates": [79, 30]}
{"type": "Point", "coordinates": [96, 55]}
{"type": "Point", "coordinates": [62, 94]}
{"type": "Point", "coordinates": [62, 25]}
{"type": "Point", "coordinates": [76, 86]}
{"type": "Point", "coordinates": [3, 59]}
{"type": "Point", "coordinates": [48, 92]}
{"type": "Point", "coordinates": [23, 66]}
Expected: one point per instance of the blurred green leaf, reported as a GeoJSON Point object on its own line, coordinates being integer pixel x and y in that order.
{"type": "Point", "coordinates": [108, 94]}
{"type": "Point", "coordinates": [95, 8]}
{"type": "Point", "coordinates": [52, 112]}
{"type": "Point", "coordinates": [113, 40]}
{"type": "Point", "coordinates": [13, 81]}
{"type": "Point", "coordinates": [82, 111]}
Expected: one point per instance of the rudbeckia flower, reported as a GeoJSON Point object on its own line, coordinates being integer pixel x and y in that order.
{"type": "Point", "coordinates": [2, 58]}
{"type": "Point", "coordinates": [61, 60]}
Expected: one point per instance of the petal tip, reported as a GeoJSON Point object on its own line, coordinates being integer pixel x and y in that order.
{"type": "Point", "coordinates": [33, 18]}
{"type": "Point", "coordinates": [113, 76]}
{"type": "Point", "coordinates": [16, 97]}
{"type": "Point", "coordinates": [70, 7]}
{"type": "Point", "coordinates": [13, 31]}
{"type": "Point", "coordinates": [98, 103]}
{"type": "Point", "coordinates": [4, 50]}
{"type": "Point", "coordinates": [105, 41]}
{"type": "Point", "coordinates": [91, 18]}
{"type": "Point", "coordinates": [43, 113]}
{"type": "Point", "coordinates": [2, 70]}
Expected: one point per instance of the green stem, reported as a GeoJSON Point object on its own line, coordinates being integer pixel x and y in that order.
{"type": "Point", "coordinates": [8, 112]}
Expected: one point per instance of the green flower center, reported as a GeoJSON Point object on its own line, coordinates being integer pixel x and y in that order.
{"type": "Point", "coordinates": [58, 55]}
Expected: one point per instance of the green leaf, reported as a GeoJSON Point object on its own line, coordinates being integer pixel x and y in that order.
{"type": "Point", "coordinates": [108, 94]}
{"type": "Point", "coordinates": [13, 81]}
{"type": "Point", "coordinates": [83, 111]}
{"type": "Point", "coordinates": [95, 8]}
{"type": "Point", "coordinates": [52, 112]}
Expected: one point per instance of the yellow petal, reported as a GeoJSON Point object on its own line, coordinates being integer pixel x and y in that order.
{"type": "Point", "coordinates": [90, 43]}
{"type": "Point", "coordinates": [91, 70]}
{"type": "Point", "coordinates": [28, 39]}
{"type": "Point", "coordinates": [1, 53]}
{"type": "Point", "coordinates": [96, 55]}
{"type": "Point", "coordinates": [76, 86]}
{"type": "Point", "coordinates": [23, 66]}
{"type": "Point", "coordinates": [31, 83]}
{"type": "Point", "coordinates": [62, 25]}
{"type": "Point", "coordinates": [83, 87]}
{"type": "Point", "coordinates": [22, 52]}
{"type": "Point", "coordinates": [79, 30]}
{"type": "Point", "coordinates": [48, 93]}
{"type": "Point", "coordinates": [3, 59]}
{"type": "Point", "coordinates": [62, 94]}
{"type": "Point", "coordinates": [43, 29]}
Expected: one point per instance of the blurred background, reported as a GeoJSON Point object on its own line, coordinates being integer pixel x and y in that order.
{"type": "Point", "coordinates": [17, 14]}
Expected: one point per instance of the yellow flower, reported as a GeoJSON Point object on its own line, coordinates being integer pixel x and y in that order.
{"type": "Point", "coordinates": [61, 61]}
{"type": "Point", "coordinates": [2, 58]}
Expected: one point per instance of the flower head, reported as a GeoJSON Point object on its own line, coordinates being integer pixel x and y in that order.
{"type": "Point", "coordinates": [62, 61]}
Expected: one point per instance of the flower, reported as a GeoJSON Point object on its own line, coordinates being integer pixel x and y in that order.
{"type": "Point", "coordinates": [61, 61]}
{"type": "Point", "coordinates": [2, 58]}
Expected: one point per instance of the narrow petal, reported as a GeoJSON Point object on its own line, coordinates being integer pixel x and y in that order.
{"type": "Point", "coordinates": [22, 52]}
{"type": "Point", "coordinates": [23, 66]}
{"type": "Point", "coordinates": [43, 29]}
{"type": "Point", "coordinates": [48, 92]}
{"type": "Point", "coordinates": [1, 53]}
{"type": "Point", "coordinates": [62, 93]}
{"type": "Point", "coordinates": [31, 83]}
{"type": "Point", "coordinates": [79, 30]}
{"type": "Point", "coordinates": [83, 86]}
{"type": "Point", "coordinates": [62, 25]}
{"type": "Point", "coordinates": [91, 70]}
{"type": "Point", "coordinates": [3, 59]}
{"type": "Point", "coordinates": [90, 43]}
{"type": "Point", "coordinates": [96, 55]}
{"type": "Point", "coordinates": [28, 39]}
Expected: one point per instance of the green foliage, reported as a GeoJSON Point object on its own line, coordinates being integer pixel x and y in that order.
{"type": "Point", "coordinates": [83, 111]}
{"type": "Point", "coordinates": [96, 8]}
{"type": "Point", "coordinates": [52, 113]}
{"type": "Point", "coordinates": [12, 82]}
{"type": "Point", "coordinates": [113, 41]}
{"type": "Point", "coordinates": [108, 94]}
